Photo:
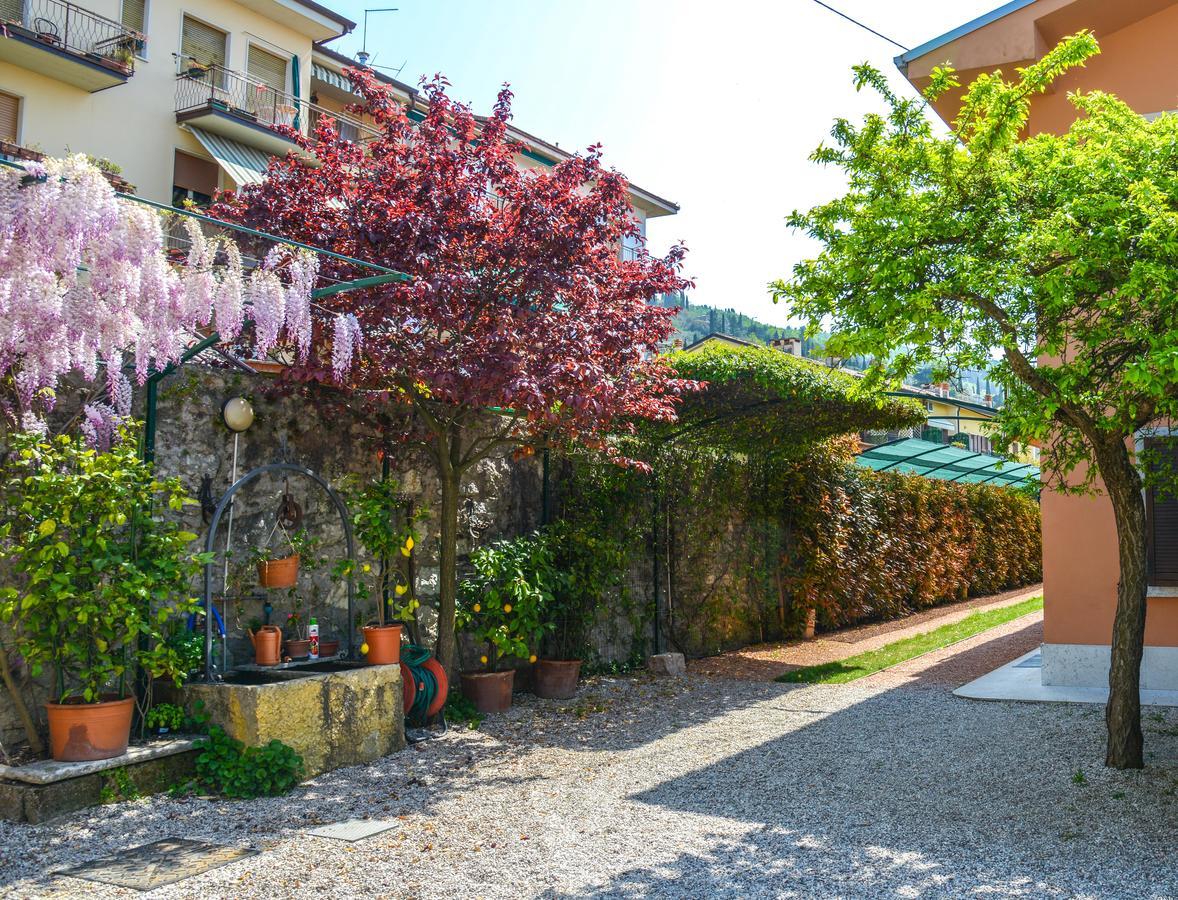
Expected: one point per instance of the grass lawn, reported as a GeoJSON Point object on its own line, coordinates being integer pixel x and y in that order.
{"type": "Point", "coordinates": [862, 664]}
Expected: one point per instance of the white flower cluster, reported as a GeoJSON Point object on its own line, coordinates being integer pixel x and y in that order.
{"type": "Point", "coordinates": [85, 278]}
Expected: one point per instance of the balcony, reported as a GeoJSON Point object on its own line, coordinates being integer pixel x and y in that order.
{"type": "Point", "coordinates": [67, 43]}
{"type": "Point", "coordinates": [251, 112]}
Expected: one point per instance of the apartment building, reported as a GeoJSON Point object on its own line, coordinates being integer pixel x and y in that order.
{"type": "Point", "coordinates": [185, 97]}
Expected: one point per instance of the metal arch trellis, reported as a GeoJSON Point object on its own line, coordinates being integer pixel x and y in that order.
{"type": "Point", "coordinates": [223, 504]}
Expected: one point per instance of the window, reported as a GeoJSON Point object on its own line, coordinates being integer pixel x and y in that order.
{"type": "Point", "coordinates": [134, 16]}
{"type": "Point", "coordinates": [194, 179]}
{"type": "Point", "coordinates": [1161, 511]}
{"type": "Point", "coordinates": [267, 68]}
{"type": "Point", "coordinates": [9, 118]}
{"type": "Point", "coordinates": [202, 45]}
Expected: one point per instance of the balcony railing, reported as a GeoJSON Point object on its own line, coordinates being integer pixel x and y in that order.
{"type": "Point", "coordinates": [248, 98]}
{"type": "Point", "coordinates": [64, 26]}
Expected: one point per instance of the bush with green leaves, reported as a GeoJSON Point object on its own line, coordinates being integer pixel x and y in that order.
{"type": "Point", "coordinates": [226, 767]}
{"type": "Point", "coordinates": [501, 605]}
{"type": "Point", "coordinates": [165, 716]}
{"type": "Point", "coordinates": [99, 571]}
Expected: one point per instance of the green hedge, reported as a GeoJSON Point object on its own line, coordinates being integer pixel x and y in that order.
{"type": "Point", "coordinates": [877, 545]}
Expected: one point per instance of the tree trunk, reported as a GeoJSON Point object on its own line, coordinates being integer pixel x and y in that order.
{"type": "Point", "coordinates": [1123, 713]}
{"type": "Point", "coordinates": [448, 570]}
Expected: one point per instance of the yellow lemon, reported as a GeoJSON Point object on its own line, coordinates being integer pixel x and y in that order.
{"type": "Point", "coordinates": [507, 607]}
{"type": "Point", "coordinates": [364, 649]}
{"type": "Point", "coordinates": [409, 543]}
{"type": "Point", "coordinates": [367, 568]}
{"type": "Point", "coordinates": [532, 658]}
{"type": "Point", "coordinates": [401, 588]}
{"type": "Point", "coordinates": [483, 660]}
{"type": "Point", "coordinates": [478, 607]}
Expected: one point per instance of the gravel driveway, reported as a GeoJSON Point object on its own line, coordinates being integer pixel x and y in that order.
{"type": "Point", "coordinates": [692, 788]}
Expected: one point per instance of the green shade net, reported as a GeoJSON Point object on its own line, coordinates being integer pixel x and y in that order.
{"type": "Point", "coordinates": [947, 462]}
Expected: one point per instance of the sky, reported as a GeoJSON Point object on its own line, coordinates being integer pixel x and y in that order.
{"type": "Point", "coordinates": [713, 105]}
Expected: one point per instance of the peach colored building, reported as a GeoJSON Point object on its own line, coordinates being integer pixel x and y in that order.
{"type": "Point", "coordinates": [1080, 567]}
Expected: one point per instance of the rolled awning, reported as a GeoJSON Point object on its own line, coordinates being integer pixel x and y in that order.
{"type": "Point", "coordinates": [243, 164]}
{"type": "Point", "coordinates": [335, 79]}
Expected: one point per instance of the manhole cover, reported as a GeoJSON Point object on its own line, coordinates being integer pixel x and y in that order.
{"type": "Point", "coordinates": [157, 864]}
{"type": "Point", "coordinates": [353, 829]}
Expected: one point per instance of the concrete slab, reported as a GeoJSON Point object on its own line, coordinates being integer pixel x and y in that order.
{"type": "Point", "coordinates": [49, 771]}
{"type": "Point", "coordinates": [1022, 679]}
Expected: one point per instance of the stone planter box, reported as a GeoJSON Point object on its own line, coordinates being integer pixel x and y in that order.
{"type": "Point", "coordinates": [41, 791]}
{"type": "Point", "coordinates": [333, 714]}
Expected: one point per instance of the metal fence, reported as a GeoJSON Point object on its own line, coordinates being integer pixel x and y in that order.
{"type": "Point", "coordinates": [65, 26]}
{"type": "Point", "coordinates": [199, 87]}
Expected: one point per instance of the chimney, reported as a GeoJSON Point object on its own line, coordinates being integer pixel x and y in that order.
{"type": "Point", "coordinates": [677, 344]}
{"type": "Point", "coordinates": [989, 399]}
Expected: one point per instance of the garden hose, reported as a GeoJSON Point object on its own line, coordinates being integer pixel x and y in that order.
{"type": "Point", "coordinates": [415, 657]}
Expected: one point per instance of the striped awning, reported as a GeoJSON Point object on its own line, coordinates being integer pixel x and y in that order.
{"type": "Point", "coordinates": [243, 164]}
{"type": "Point", "coordinates": [327, 76]}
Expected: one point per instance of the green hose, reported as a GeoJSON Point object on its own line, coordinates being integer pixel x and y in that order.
{"type": "Point", "coordinates": [415, 658]}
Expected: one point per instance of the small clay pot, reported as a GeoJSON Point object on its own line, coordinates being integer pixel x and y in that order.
{"type": "Point", "coordinates": [555, 679]}
{"type": "Point", "coordinates": [490, 692]}
{"type": "Point", "coordinates": [384, 644]}
{"type": "Point", "coordinates": [299, 649]}
{"type": "Point", "coordinates": [328, 648]}
{"type": "Point", "coordinates": [81, 732]}
{"type": "Point", "coordinates": [279, 573]}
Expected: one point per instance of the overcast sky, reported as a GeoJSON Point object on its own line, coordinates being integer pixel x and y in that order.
{"type": "Point", "coordinates": [714, 105]}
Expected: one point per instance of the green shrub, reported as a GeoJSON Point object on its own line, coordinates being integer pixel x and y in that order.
{"type": "Point", "coordinates": [165, 715]}
{"type": "Point", "coordinates": [227, 767]}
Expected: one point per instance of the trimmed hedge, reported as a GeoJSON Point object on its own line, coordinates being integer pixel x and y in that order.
{"type": "Point", "coordinates": [877, 545]}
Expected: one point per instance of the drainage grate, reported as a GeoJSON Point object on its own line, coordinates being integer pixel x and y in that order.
{"type": "Point", "coordinates": [157, 864]}
{"type": "Point", "coordinates": [353, 829]}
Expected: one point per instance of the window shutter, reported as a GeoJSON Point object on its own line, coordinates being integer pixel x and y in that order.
{"type": "Point", "coordinates": [12, 10]}
{"type": "Point", "coordinates": [203, 43]}
{"type": "Point", "coordinates": [9, 117]}
{"type": "Point", "coordinates": [267, 68]}
{"type": "Point", "coordinates": [1161, 507]}
{"type": "Point", "coordinates": [134, 14]}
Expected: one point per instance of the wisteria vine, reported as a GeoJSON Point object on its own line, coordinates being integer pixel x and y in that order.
{"type": "Point", "coordinates": [86, 286]}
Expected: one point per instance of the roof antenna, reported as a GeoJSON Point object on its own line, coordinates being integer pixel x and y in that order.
{"type": "Point", "coordinates": [363, 56]}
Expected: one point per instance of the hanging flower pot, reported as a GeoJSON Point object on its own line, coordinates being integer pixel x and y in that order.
{"type": "Point", "coordinates": [82, 732]}
{"type": "Point", "coordinates": [279, 573]}
{"type": "Point", "coordinates": [384, 644]}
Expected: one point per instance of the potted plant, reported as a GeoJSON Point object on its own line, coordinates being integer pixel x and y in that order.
{"type": "Point", "coordinates": [97, 579]}
{"type": "Point", "coordinates": [583, 563]}
{"type": "Point", "coordinates": [389, 539]}
{"type": "Point", "coordinates": [164, 718]}
{"type": "Point", "coordinates": [297, 645]}
{"type": "Point", "coordinates": [499, 608]}
{"type": "Point", "coordinates": [280, 571]}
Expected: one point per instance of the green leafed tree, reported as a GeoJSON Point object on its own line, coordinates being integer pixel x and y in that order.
{"type": "Point", "coordinates": [1049, 259]}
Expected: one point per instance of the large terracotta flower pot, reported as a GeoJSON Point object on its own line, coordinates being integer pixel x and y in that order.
{"type": "Point", "coordinates": [279, 573]}
{"type": "Point", "coordinates": [81, 732]}
{"type": "Point", "coordinates": [490, 692]}
{"type": "Point", "coordinates": [384, 644]}
{"type": "Point", "coordinates": [555, 679]}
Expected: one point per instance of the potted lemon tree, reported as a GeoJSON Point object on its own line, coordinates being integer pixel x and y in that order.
{"type": "Point", "coordinates": [99, 571]}
{"type": "Point", "coordinates": [500, 608]}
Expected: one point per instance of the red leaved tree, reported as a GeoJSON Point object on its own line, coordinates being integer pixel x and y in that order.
{"type": "Point", "coordinates": [520, 326]}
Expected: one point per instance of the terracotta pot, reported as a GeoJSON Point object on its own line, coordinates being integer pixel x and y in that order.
{"type": "Point", "coordinates": [267, 642]}
{"type": "Point", "coordinates": [279, 573]}
{"type": "Point", "coordinates": [490, 692]}
{"type": "Point", "coordinates": [555, 679]}
{"type": "Point", "coordinates": [384, 644]}
{"type": "Point", "coordinates": [328, 648]}
{"type": "Point", "coordinates": [81, 732]}
{"type": "Point", "coordinates": [296, 649]}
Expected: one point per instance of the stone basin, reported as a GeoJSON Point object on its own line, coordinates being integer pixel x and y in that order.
{"type": "Point", "coordinates": [333, 713]}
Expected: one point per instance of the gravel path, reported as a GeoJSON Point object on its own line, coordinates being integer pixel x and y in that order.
{"type": "Point", "coordinates": [764, 662]}
{"type": "Point", "coordinates": [691, 788]}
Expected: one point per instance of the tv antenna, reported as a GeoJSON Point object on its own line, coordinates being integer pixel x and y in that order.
{"type": "Point", "coordinates": [363, 56]}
